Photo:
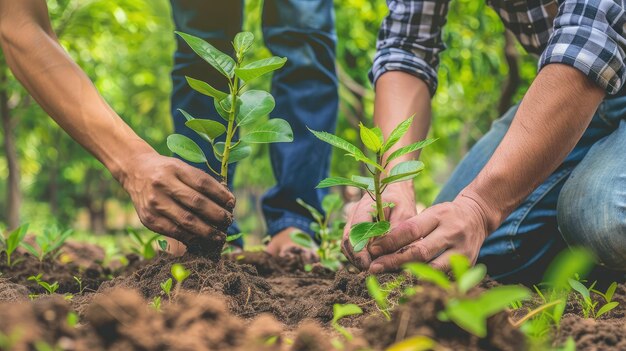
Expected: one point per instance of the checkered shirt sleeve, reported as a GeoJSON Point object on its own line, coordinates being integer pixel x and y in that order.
{"type": "Point", "coordinates": [589, 36]}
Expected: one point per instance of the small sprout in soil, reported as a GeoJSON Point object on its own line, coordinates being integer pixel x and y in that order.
{"type": "Point", "coordinates": [328, 232]}
{"type": "Point", "coordinates": [230, 248]}
{"type": "Point", "coordinates": [468, 313]}
{"type": "Point", "coordinates": [12, 241]}
{"type": "Point", "coordinates": [415, 343]}
{"type": "Point", "coordinates": [588, 305]}
{"type": "Point", "coordinates": [49, 243]}
{"type": "Point", "coordinates": [144, 248]}
{"type": "Point", "coordinates": [340, 311]}
{"type": "Point", "coordinates": [237, 107]}
{"type": "Point", "coordinates": [44, 346]}
{"type": "Point", "coordinates": [81, 288]}
{"type": "Point", "coordinates": [72, 319]}
{"type": "Point", "coordinates": [50, 288]}
{"type": "Point", "coordinates": [180, 273]}
{"type": "Point", "coordinates": [166, 287]}
{"type": "Point", "coordinates": [156, 303]}
{"type": "Point", "coordinates": [381, 177]}
{"type": "Point", "coordinates": [381, 293]}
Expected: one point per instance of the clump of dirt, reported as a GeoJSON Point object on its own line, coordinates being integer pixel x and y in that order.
{"type": "Point", "coordinates": [418, 317]}
{"type": "Point", "coordinates": [590, 334]}
{"type": "Point", "coordinates": [12, 292]}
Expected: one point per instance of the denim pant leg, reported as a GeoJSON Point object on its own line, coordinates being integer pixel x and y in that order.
{"type": "Point", "coordinates": [306, 96]}
{"type": "Point", "coordinates": [591, 210]}
{"type": "Point", "coordinates": [528, 239]}
{"type": "Point", "coordinates": [216, 22]}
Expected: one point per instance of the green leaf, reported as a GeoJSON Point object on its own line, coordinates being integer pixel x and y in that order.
{"type": "Point", "coordinates": [233, 237]}
{"type": "Point", "coordinates": [404, 171]}
{"type": "Point", "coordinates": [361, 233]}
{"type": "Point", "coordinates": [459, 265]}
{"type": "Point", "coordinates": [500, 297]}
{"type": "Point", "coordinates": [397, 134]}
{"type": "Point", "coordinates": [162, 244]}
{"type": "Point", "coordinates": [15, 238]}
{"type": "Point", "coordinates": [185, 148]}
{"type": "Point", "coordinates": [338, 143]}
{"type": "Point", "coordinates": [331, 203]}
{"type": "Point", "coordinates": [237, 153]}
{"type": "Point", "coordinates": [243, 41]}
{"type": "Point", "coordinates": [365, 180]}
{"type": "Point", "coordinates": [608, 296]}
{"type": "Point", "coordinates": [578, 286]}
{"type": "Point", "coordinates": [166, 286]}
{"type": "Point", "coordinates": [223, 106]}
{"type": "Point", "coordinates": [410, 148]}
{"type": "Point", "coordinates": [179, 272]}
{"type": "Point", "coordinates": [606, 308]}
{"type": "Point", "coordinates": [335, 181]}
{"type": "Point", "coordinates": [258, 68]}
{"type": "Point", "coordinates": [254, 105]}
{"type": "Point", "coordinates": [370, 139]}
{"type": "Point", "coordinates": [373, 288]}
{"type": "Point", "coordinates": [467, 315]}
{"type": "Point", "coordinates": [415, 343]}
{"type": "Point", "coordinates": [219, 60]}
{"type": "Point", "coordinates": [188, 117]}
{"type": "Point", "coordinates": [302, 239]}
{"type": "Point", "coordinates": [566, 265]}
{"type": "Point", "coordinates": [427, 273]}
{"type": "Point", "coordinates": [205, 88]}
{"type": "Point", "coordinates": [471, 278]}
{"type": "Point", "coordinates": [275, 130]}
{"type": "Point", "coordinates": [206, 128]}
{"type": "Point", "coordinates": [312, 210]}
{"type": "Point", "coordinates": [340, 311]}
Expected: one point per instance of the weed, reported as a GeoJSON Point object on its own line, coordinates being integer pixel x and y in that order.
{"type": "Point", "coordinates": [375, 185]}
{"type": "Point", "coordinates": [49, 243]}
{"type": "Point", "coordinates": [329, 233]}
{"type": "Point", "coordinates": [236, 107]}
{"type": "Point", "coordinates": [12, 241]}
{"type": "Point", "coordinates": [50, 288]}
{"type": "Point", "coordinates": [340, 311]}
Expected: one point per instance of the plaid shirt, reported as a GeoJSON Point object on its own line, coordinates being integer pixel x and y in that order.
{"type": "Point", "coordinates": [589, 35]}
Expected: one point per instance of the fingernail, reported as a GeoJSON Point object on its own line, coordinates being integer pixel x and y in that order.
{"type": "Point", "coordinates": [230, 205]}
{"type": "Point", "coordinates": [376, 268]}
{"type": "Point", "coordinates": [376, 250]}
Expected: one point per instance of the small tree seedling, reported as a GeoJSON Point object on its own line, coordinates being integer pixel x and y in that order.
{"type": "Point", "coordinates": [380, 178]}
{"type": "Point", "coordinates": [50, 288]}
{"type": "Point", "coordinates": [12, 242]}
{"type": "Point", "coordinates": [327, 231]}
{"type": "Point", "coordinates": [49, 243]}
{"type": "Point", "coordinates": [340, 311]}
{"type": "Point", "coordinates": [237, 107]}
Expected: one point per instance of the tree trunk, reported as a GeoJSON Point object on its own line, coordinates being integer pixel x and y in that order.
{"type": "Point", "coordinates": [513, 80]}
{"type": "Point", "coordinates": [14, 196]}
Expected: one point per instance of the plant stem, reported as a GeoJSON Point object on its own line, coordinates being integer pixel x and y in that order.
{"type": "Point", "coordinates": [380, 214]}
{"type": "Point", "coordinates": [230, 131]}
{"type": "Point", "coordinates": [534, 312]}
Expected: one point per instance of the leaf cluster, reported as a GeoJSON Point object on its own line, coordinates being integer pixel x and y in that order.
{"type": "Point", "coordinates": [238, 108]}
{"type": "Point", "coordinates": [381, 293]}
{"type": "Point", "coordinates": [12, 241]}
{"type": "Point", "coordinates": [145, 247]}
{"type": "Point", "coordinates": [588, 305]}
{"type": "Point", "coordinates": [341, 311]}
{"type": "Point", "coordinates": [49, 243]}
{"type": "Point", "coordinates": [50, 288]}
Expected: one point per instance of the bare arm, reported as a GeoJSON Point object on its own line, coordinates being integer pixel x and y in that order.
{"type": "Point", "coordinates": [170, 197]}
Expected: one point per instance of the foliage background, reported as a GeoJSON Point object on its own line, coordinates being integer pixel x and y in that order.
{"type": "Point", "coordinates": [126, 48]}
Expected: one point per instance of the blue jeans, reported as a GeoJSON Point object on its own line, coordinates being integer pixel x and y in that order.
{"type": "Point", "coordinates": [582, 203]}
{"type": "Point", "coordinates": [305, 90]}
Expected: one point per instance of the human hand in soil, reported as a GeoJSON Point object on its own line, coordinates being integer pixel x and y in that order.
{"type": "Point", "coordinates": [281, 245]}
{"type": "Point", "coordinates": [457, 227]}
{"type": "Point", "coordinates": [403, 197]}
{"type": "Point", "coordinates": [178, 200]}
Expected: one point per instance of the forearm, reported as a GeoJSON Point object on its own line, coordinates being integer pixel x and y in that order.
{"type": "Point", "coordinates": [399, 96]}
{"type": "Point", "coordinates": [62, 88]}
{"type": "Point", "coordinates": [552, 117]}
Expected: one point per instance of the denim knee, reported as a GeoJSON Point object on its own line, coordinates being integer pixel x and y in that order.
{"type": "Point", "coordinates": [591, 213]}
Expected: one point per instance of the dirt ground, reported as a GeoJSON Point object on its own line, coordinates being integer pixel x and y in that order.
{"type": "Point", "coordinates": [247, 302]}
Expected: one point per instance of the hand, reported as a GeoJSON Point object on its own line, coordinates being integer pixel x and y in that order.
{"type": "Point", "coordinates": [177, 200]}
{"type": "Point", "coordinates": [401, 194]}
{"type": "Point", "coordinates": [460, 227]}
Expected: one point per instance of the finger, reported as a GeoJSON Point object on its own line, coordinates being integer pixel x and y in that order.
{"type": "Point", "coordinates": [360, 260]}
{"type": "Point", "coordinates": [422, 250]}
{"type": "Point", "coordinates": [188, 222]}
{"type": "Point", "coordinates": [442, 262]}
{"type": "Point", "coordinates": [201, 206]}
{"type": "Point", "coordinates": [167, 227]}
{"type": "Point", "coordinates": [404, 233]}
{"type": "Point", "coordinates": [206, 185]}
{"type": "Point", "coordinates": [360, 214]}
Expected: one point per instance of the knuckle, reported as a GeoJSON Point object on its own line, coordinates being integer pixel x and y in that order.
{"type": "Point", "coordinates": [148, 219]}
{"type": "Point", "coordinates": [152, 201]}
{"type": "Point", "coordinates": [197, 201]}
{"type": "Point", "coordinates": [419, 252]}
{"type": "Point", "coordinates": [188, 219]}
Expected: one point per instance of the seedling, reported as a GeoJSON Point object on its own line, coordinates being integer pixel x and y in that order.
{"type": "Point", "coordinates": [145, 248]}
{"type": "Point", "coordinates": [340, 311]}
{"type": "Point", "coordinates": [48, 244]}
{"type": "Point", "coordinates": [228, 249]}
{"type": "Point", "coordinates": [72, 319]}
{"type": "Point", "coordinates": [329, 235]}
{"type": "Point", "coordinates": [12, 241]}
{"type": "Point", "coordinates": [180, 274]}
{"type": "Point", "coordinates": [469, 313]}
{"type": "Point", "coordinates": [236, 107]}
{"type": "Point", "coordinates": [156, 303]}
{"type": "Point", "coordinates": [587, 304]}
{"type": "Point", "coordinates": [50, 288]}
{"type": "Point", "coordinates": [380, 179]}
{"type": "Point", "coordinates": [380, 293]}
{"type": "Point", "coordinates": [80, 284]}
{"type": "Point", "coordinates": [414, 343]}
{"type": "Point", "coordinates": [166, 286]}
